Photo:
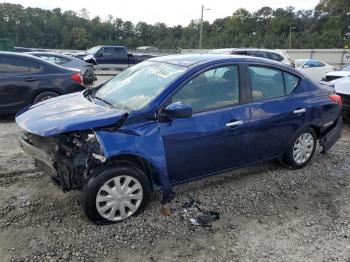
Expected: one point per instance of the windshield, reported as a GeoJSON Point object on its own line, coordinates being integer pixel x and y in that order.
{"type": "Point", "coordinates": [137, 86]}
{"type": "Point", "coordinates": [93, 50]}
{"type": "Point", "coordinates": [345, 68]}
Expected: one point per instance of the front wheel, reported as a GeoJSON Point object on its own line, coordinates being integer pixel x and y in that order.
{"type": "Point", "coordinates": [115, 193]}
{"type": "Point", "coordinates": [301, 149]}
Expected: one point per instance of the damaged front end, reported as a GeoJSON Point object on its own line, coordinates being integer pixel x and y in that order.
{"type": "Point", "coordinates": [68, 158]}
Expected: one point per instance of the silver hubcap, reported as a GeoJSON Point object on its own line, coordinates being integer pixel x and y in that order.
{"type": "Point", "coordinates": [119, 198]}
{"type": "Point", "coordinates": [303, 148]}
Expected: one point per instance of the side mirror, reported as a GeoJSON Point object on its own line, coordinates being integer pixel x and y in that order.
{"type": "Point", "coordinates": [306, 66]}
{"type": "Point", "coordinates": [177, 110]}
{"type": "Point", "coordinates": [99, 54]}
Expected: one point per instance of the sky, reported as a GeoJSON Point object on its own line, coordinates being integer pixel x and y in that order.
{"type": "Point", "coordinates": [165, 11]}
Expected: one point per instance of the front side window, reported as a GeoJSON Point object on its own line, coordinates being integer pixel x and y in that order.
{"type": "Point", "coordinates": [212, 89]}
{"type": "Point", "coordinates": [135, 87]}
{"type": "Point", "coordinates": [107, 51]}
{"type": "Point", "coordinates": [268, 83]}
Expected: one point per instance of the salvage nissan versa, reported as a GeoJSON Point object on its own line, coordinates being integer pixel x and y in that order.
{"type": "Point", "coordinates": [173, 119]}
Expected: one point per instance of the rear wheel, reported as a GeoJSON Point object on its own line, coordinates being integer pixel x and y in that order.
{"type": "Point", "coordinates": [44, 95]}
{"type": "Point", "coordinates": [301, 149]}
{"type": "Point", "coordinates": [114, 194]}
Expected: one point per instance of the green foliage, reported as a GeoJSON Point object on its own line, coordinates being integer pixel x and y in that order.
{"type": "Point", "coordinates": [324, 27]}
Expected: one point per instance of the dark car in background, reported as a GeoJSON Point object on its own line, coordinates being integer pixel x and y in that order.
{"type": "Point", "coordinates": [25, 80]}
{"type": "Point", "coordinates": [112, 56]}
{"type": "Point", "coordinates": [86, 69]}
{"type": "Point", "coordinates": [26, 49]}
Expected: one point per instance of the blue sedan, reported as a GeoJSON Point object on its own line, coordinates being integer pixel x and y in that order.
{"type": "Point", "coordinates": [174, 119]}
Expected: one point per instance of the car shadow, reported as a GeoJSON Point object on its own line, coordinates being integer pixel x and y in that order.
{"type": "Point", "coordinates": [7, 118]}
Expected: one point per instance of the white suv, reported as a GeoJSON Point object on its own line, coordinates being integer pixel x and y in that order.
{"type": "Point", "coordinates": [272, 54]}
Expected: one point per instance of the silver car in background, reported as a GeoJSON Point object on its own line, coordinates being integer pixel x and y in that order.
{"type": "Point", "coordinates": [87, 70]}
{"type": "Point", "coordinates": [278, 55]}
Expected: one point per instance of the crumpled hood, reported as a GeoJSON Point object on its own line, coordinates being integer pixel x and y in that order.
{"type": "Point", "coordinates": [66, 113]}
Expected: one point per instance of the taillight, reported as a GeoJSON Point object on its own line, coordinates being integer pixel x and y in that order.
{"type": "Point", "coordinates": [336, 98]}
{"type": "Point", "coordinates": [77, 78]}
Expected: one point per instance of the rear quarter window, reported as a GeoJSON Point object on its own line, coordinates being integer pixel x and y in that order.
{"type": "Point", "coordinates": [275, 57]}
{"type": "Point", "coordinates": [291, 82]}
{"type": "Point", "coordinates": [36, 67]}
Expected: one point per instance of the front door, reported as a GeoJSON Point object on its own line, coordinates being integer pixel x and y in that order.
{"type": "Point", "coordinates": [216, 137]}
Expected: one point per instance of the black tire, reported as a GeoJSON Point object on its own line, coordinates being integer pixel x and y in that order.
{"type": "Point", "coordinates": [289, 160]}
{"type": "Point", "coordinates": [44, 95]}
{"type": "Point", "coordinates": [92, 186]}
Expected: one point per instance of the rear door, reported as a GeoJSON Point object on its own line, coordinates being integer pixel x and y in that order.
{"type": "Point", "coordinates": [215, 138]}
{"type": "Point", "coordinates": [279, 108]}
{"type": "Point", "coordinates": [17, 80]}
{"type": "Point", "coordinates": [120, 56]}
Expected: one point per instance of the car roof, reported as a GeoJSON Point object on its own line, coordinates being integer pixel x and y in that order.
{"type": "Point", "coordinates": [109, 46]}
{"type": "Point", "coordinates": [48, 53]}
{"type": "Point", "coordinates": [247, 49]}
{"type": "Point", "coordinates": [19, 54]}
{"type": "Point", "coordinates": [193, 59]}
{"type": "Point", "coordinates": [37, 59]}
{"type": "Point", "coordinates": [307, 59]}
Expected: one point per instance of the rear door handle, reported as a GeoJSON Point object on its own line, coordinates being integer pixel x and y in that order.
{"type": "Point", "coordinates": [235, 123]}
{"type": "Point", "coordinates": [299, 111]}
{"type": "Point", "coordinates": [30, 79]}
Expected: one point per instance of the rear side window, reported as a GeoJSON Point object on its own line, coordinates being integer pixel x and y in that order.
{"type": "Point", "coordinates": [118, 51]}
{"type": "Point", "coordinates": [55, 59]}
{"type": "Point", "coordinates": [212, 89]}
{"type": "Point", "coordinates": [35, 67]}
{"type": "Point", "coordinates": [258, 54]}
{"type": "Point", "coordinates": [14, 65]}
{"type": "Point", "coordinates": [270, 83]}
{"type": "Point", "coordinates": [275, 57]}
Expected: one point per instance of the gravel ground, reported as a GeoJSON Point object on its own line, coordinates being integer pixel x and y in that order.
{"type": "Point", "coordinates": [267, 213]}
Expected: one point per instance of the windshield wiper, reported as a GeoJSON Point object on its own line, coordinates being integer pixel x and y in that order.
{"type": "Point", "coordinates": [104, 101]}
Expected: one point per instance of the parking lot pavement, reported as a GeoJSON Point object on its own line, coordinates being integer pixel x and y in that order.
{"type": "Point", "coordinates": [266, 213]}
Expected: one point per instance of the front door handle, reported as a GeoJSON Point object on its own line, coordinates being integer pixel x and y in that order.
{"type": "Point", "coordinates": [235, 123]}
{"type": "Point", "coordinates": [299, 111]}
{"type": "Point", "coordinates": [31, 79]}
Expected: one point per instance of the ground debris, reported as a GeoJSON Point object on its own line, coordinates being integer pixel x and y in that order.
{"type": "Point", "coordinates": [205, 219]}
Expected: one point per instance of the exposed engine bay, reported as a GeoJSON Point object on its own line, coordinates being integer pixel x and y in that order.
{"type": "Point", "coordinates": [68, 158]}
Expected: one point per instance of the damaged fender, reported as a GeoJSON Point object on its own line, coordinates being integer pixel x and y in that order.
{"type": "Point", "coordinates": [144, 141]}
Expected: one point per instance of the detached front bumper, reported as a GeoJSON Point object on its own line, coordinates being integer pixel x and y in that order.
{"type": "Point", "coordinates": [37, 153]}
